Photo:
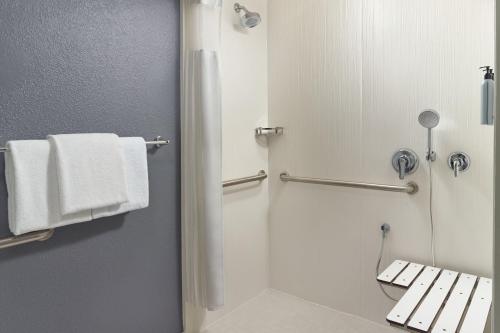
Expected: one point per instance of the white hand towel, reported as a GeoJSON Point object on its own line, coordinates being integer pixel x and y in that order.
{"type": "Point", "coordinates": [33, 191]}
{"type": "Point", "coordinates": [90, 170]}
{"type": "Point", "coordinates": [136, 173]}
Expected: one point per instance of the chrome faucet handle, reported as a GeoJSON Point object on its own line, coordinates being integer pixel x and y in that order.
{"type": "Point", "coordinates": [459, 162]}
{"type": "Point", "coordinates": [405, 162]}
{"type": "Point", "coordinates": [402, 163]}
{"type": "Point", "coordinates": [456, 165]}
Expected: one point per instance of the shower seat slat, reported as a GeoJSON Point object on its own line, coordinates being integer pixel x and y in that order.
{"type": "Point", "coordinates": [450, 317]}
{"type": "Point", "coordinates": [477, 314]}
{"type": "Point", "coordinates": [432, 303]}
{"type": "Point", "coordinates": [408, 275]}
{"type": "Point", "coordinates": [392, 271]}
{"type": "Point", "coordinates": [410, 300]}
{"type": "Point", "coordinates": [438, 301]}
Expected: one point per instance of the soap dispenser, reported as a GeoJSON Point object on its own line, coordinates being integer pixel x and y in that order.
{"type": "Point", "coordinates": [488, 96]}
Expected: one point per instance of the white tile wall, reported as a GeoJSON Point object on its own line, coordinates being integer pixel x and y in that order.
{"type": "Point", "coordinates": [347, 80]}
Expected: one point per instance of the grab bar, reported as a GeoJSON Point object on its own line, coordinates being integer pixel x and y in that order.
{"type": "Point", "coordinates": [410, 188]}
{"type": "Point", "coordinates": [26, 238]}
{"type": "Point", "coordinates": [157, 142]}
{"type": "Point", "coordinates": [233, 182]}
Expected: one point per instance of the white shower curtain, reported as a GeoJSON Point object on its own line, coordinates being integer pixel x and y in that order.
{"type": "Point", "coordinates": [202, 228]}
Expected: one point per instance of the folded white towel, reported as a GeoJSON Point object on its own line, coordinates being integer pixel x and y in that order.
{"type": "Point", "coordinates": [136, 173]}
{"type": "Point", "coordinates": [33, 189]}
{"type": "Point", "coordinates": [90, 170]}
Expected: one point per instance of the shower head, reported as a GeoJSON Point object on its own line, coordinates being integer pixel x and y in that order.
{"type": "Point", "coordinates": [249, 19]}
{"type": "Point", "coordinates": [429, 119]}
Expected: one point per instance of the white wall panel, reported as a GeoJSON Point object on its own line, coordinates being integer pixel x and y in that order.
{"type": "Point", "coordinates": [244, 103]}
{"type": "Point", "coordinates": [347, 80]}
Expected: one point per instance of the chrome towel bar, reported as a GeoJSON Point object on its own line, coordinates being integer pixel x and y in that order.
{"type": "Point", "coordinates": [259, 177]}
{"type": "Point", "coordinates": [410, 188]}
{"type": "Point", "coordinates": [43, 235]}
{"type": "Point", "coordinates": [157, 142]}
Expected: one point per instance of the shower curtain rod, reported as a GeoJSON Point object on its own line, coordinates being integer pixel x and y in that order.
{"type": "Point", "coordinates": [410, 188]}
{"type": "Point", "coordinates": [157, 142]}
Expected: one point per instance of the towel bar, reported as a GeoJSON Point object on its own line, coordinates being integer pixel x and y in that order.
{"type": "Point", "coordinates": [157, 142]}
{"type": "Point", "coordinates": [44, 235]}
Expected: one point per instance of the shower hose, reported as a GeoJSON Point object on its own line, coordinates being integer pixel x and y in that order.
{"type": "Point", "coordinates": [385, 229]}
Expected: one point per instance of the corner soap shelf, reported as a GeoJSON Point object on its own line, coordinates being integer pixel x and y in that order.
{"type": "Point", "coordinates": [269, 131]}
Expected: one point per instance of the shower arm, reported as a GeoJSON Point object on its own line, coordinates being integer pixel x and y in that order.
{"type": "Point", "coordinates": [238, 8]}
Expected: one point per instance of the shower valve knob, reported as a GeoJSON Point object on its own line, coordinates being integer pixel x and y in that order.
{"type": "Point", "coordinates": [459, 162]}
{"type": "Point", "coordinates": [405, 162]}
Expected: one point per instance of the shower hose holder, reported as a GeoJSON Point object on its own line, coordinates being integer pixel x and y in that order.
{"type": "Point", "coordinates": [269, 131]}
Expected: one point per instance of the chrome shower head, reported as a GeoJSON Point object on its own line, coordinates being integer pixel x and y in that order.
{"type": "Point", "coordinates": [429, 119]}
{"type": "Point", "coordinates": [249, 19]}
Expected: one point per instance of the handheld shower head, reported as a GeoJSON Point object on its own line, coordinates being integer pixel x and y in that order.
{"type": "Point", "coordinates": [429, 119]}
{"type": "Point", "coordinates": [249, 19]}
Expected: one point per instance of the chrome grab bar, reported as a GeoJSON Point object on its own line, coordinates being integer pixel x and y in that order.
{"type": "Point", "coordinates": [410, 188]}
{"type": "Point", "coordinates": [233, 182]}
{"type": "Point", "coordinates": [26, 238]}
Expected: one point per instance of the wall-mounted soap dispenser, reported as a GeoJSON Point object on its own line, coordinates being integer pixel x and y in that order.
{"type": "Point", "coordinates": [488, 96]}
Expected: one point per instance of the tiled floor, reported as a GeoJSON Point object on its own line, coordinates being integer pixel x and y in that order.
{"type": "Point", "coordinates": [276, 312]}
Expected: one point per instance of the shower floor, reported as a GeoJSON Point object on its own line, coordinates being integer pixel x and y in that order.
{"type": "Point", "coordinates": [277, 312]}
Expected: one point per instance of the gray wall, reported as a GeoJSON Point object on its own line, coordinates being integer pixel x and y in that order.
{"type": "Point", "coordinates": [70, 66]}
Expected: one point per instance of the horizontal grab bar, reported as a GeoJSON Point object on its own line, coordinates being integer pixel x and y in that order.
{"type": "Point", "coordinates": [26, 238]}
{"type": "Point", "coordinates": [157, 142]}
{"type": "Point", "coordinates": [410, 188]}
{"type": "Point", "coordinates": [233, 182]}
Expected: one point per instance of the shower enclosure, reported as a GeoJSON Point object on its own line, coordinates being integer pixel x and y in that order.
{"type": "Point", "coordinates": [347, 81]}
